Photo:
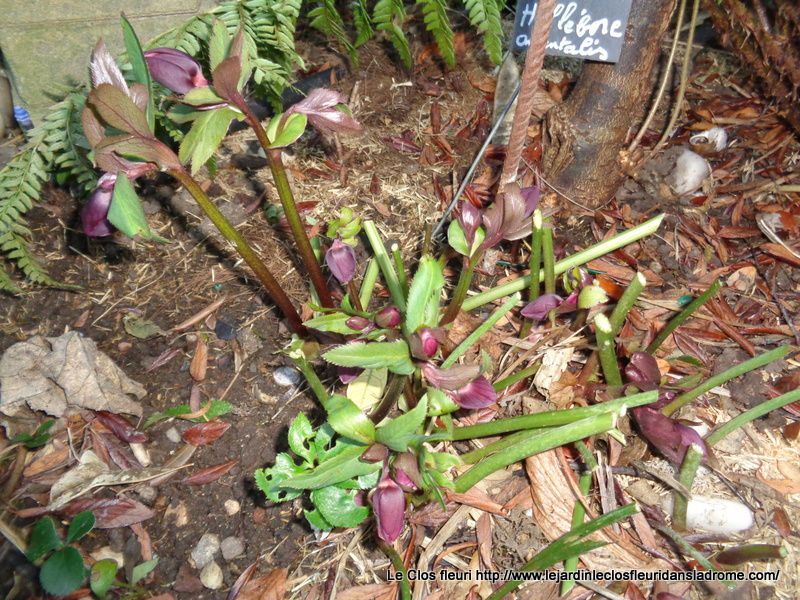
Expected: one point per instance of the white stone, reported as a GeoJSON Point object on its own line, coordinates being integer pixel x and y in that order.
{"type": "Point", "coordinates": [232, 547]}
{"type": "Point", "coordinates": [211, 576]}
{"type": "Point", "coordinates": [173, 435]}
{"type": "Point", "coordinates": [107, 552]}
{"type": "Point", "coordinates": [232, 507]}
{"type": "Point", "coordinates": [205, 550]}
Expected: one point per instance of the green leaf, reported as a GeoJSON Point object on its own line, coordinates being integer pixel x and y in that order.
{"type": "Point", "coordinates": [126, 212]}
{"type": "Point", "coordinates": [44, 539]}
{"type": "Point", "coordinates": [345, 465]}
{"type": "Point", "coordinates": [392, 355]}
{"type": "Point", "coordinates": [292, 128]}
{"type": "Point", "coordinates": [205, 136]}
{"type": "Point", "coordinates": [141, 328]}
{"type": "Point", "coordinates": [457, 239]}
{"type": "Point", "coordinates": [81, 524]}
{"type": "Point", "coordinates": [103, 576]}
{"type": "Point", "coordinates": [437, 22]}
{"type": "Point", "coordinates": [348, 420]}
{"type": "Point", "coordinates": [301, 432]}
{"type": "Point", "coordinates": [63, 572]}
{"type": "Point", "coordinates": [271, 480]}
{"type": "Point", "coordinates": [334, 322]}
{"type": "Point", "coordinates": [141, 73]}
{"type": "Point", "coordinates": [36, 439]}
{"type": "Point", "coordinates": [366, 390]}
{"type": "Point", "coordinates": [338, 506]}
{"type": "Point", "coordinates": [315, 518]}
{"type": "Point", "coordinates": [202, 96]}
{"type": "Point", "coordinates": [439, 403]}
{"type": "Point", "coordinates": [118, 110]}
{"type": "Point", "coordinates": [398, 432]}
{"type": "Point", "coordinates": [425, 290]}
{"type": "Point", "coordinates": [218, 44]}
{"type": "Point", "coordinates": [142, 570]}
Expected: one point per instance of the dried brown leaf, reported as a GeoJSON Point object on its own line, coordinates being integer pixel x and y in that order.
{"type": "Point", "coordinates": [199, 364]}
{"type": "Point", "coordinates": [209, 474]}
{"type": "Point", "coordinates": [203, 434]}
{"type": "Point", "coordinates": [120, 427]}
{"type": "Point", "coordinates": [110, 512]}
{"type": "Point", "coordinates": [271, 586]}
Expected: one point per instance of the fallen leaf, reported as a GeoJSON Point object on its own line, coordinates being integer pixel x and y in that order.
{"type": "Point", "coordinates": [203, 434]}
{"type": "Point", "coordinates": [209, 474]}
{"type": "Point", "coordinates": [241, 581]}
{"type": "Point", "coordinates": [110, 512]}
{"type": "Point", "coordinates": [199, 364]}
{"type": "Point", "coordinates": [120, 427]}
{"type": "Point", "coordinates": [141, 328]}
{"type": "Point", "coordinates": [372, 591]}
{"type": "Point", "coordinates": [51, 456]}
{"type": "Point", "coordinates": [271, 586]}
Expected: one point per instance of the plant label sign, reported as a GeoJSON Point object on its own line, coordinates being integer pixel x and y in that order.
{"type": "Point", "coordinates": [588, 29]}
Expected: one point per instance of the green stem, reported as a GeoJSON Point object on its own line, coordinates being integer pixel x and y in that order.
{"type": "Point", "coordinates": [499, 386]}
{"type": "Point", "coordinates": [355, 298]}
{"type": "Point", "coordinates": [400, 267]}
{"type": "Point", "coordinates": [687, 548]}
{"type": "Point", "coordinates": [725, 376]}
{"type": "Point", "coordinates": [678, 319]}
{"type": "Point", "coordinates": [752, 414]}
{"type": "Point", "coordinates": [274, 156]}
{"type": "Point", "coordinates": [552, 418]}
{"type": "Point", "coordinates": [607, 350]}
{"type": "Point", "coordinates": [397, 563]}
{"type": "Point", "coordinates": [534, 444]}
{"type": "Point", "coordinates": [230, 233]}
{"type": "Point", "coordinates": [368, 284]}
{"type": "Point", "coordinates": [626, 302]}
{"type": "Point", "coordinates": [691, 462]}
{"type": "Point", "coordinates": [313, 381]}
{"type": "Point", "coordinates": [460, 293]}
{"type": "Point", "coordinates": [533, 267]}
{"type": "Point", "coordinates": [473, 337]}
{"type": "Point", "coordinates": [578, 514]}
{"type": "Point", "coordinates": [385, 264]}
{"type": "Point", "coordinates": [579, 258]}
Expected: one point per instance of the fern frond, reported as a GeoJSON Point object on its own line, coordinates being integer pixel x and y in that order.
{"type": "Point", "coordinates": [65, 141]}
{"type": "Point", "coordinates": [327, 19]}
{"type": "Point", "coordinates": [484, 15]}
{"type": "Point", "coordinates": [362, 22]}
{"type": "Point", "coordinates": [7, 284]}
{"type": "Point", "coordinates": [435, 16]}
{"type": "Point", "coordinates": [15, 247]}
{"type": "Point", "coordinates": [389, 17]}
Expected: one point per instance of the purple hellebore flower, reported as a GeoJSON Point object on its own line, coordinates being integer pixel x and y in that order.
{"type": "Point", "coordinates": [389, 505]}
{"type": "Point", "coordinates": [642, 371]}
{"type": "Point", "coordinates": [509, 217]}
{"type": "Point", "coordinates": [406, 472]}
{"type": "Point", "coordinates": [359, 323]}
{"type": "Point", "coordinates": [321, 108]}
{"type": "Point", "coordinates": [423, 344]}
{"type": "Point", "coordinates": [94, 214]}
{"type": "Point", "coordinates": [667, 435]}
{"type": "Point", "coordinates": [541, 307]}
{"type": "Point", "coordinates": [341, 260]}
{"type": "Point", "coordinates": [478, 393]}
{"type": "Point", "coordinates": [174, 69]}
{"type": "Point", "coordinates": [451, 379]}
{"type": "Point", "coordinates": [470, 219]}
{"type": "Point", "coordinates": [388, 317]}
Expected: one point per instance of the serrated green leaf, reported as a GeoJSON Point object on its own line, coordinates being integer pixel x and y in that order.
{"type": "Point", "coordinates": [366, 390]}
{"type": "Point", "coordinates": [218, 44]}
{"type": "Point", "coordinates": [334, 322]}
{"type": "Point", "coordinates": [300, 433]}
{"type": "Point", "coordinates": [126, 212]}
{"type": "Point", "coordinates": [205, 136]}
{"type": "Point", "coordinates": [63, 572]}
{"type": "Point", "coordinates": [439, 403]}
{"type": "Point", "coordinates": [103, 576]}
{"type": "Point", "coordinates": [347, 420]}
{"type": "Point", "coordinates": [374, 355]}
{"type": "Point", "coordinates": [44, 539]}
{"type": "Point", "coordinates": [424, 295]}
{"type": "Point", "coordinates": [338, 506]}
{"type": "Point", "coordinates": [81, 524]}
{"type": "Point", "coordinates": [141, 74]}
{"type": "Point", "coordinates": [142, 570]}
{"type": "Point", "coordinates": [290, 130]}
{"type": "Point", "coordinates": [315, 518]}
{"type": "Point", "coordinates": [336, 469]}
{"type": "Point", "coordinates": [397, 433]}
{"type": "Point", "coordinates": [270, 480]}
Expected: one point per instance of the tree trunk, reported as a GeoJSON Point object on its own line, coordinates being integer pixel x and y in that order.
{"type": "Point", "coordinates": [584, 135]}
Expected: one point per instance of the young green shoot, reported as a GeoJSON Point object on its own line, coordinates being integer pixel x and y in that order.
{"type": "Point", "coordinates": [626, 302]}
{"type": "Point", "coordinates": [681, 317]}
{"type": "Point", "coordinates": [691, 462]}
{"type": "Point", "coordinates": [607, 350]}
{"type": "Point", "coordinates": [549, 261]}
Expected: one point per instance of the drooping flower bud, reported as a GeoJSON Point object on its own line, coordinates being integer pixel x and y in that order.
{"type": "Point", "coordinates": [375, 453]}
{"type": "Point", "coordinates": [388, 317]}
{"type": "Point", "coordinates": [326, 110]}
{"type": "Point", "coordinates": [389, 506]}
{"type": "Point", "coordinates": [341, 260]}
{"type": "Point", "coordinates": [358, 323]}
{"type": "Point", "coordinates": [541, 307]}
{"type": "Point", "coordinates": [667, 435]}
{"type": "Point", "coordinates": [406, 472]}
{"type": "Point", "coordinates": [348, 374]}
{"type": "Point", "coordinates": [423, 344]}
{"type": "Point", "coordinates": [478, 393]}
{"type": "Point", "coordinates": [642, 371]}
{"type": "Point", "coordinates": [174, 69]}
{"type": "Point", "coordinates": [94, 214]}
{"type": "Point", "coordinates": [451, 379]}
{"type": "Point", "coordinates": [470, 219]}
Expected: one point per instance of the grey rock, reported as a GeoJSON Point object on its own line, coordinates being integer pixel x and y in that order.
{"type": "Point", "coordinates": [205, 550]}
{"type": "Point", "coordinates": [232, 547]}
{"type": "Point", "coordinates": [173, 435]}
{"type": "Point", "coordinates": [211, 576]}
{"type": "Point", "coordinates": [287, 376]}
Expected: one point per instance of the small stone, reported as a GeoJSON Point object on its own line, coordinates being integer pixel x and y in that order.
{"type": "Point", "coordinates": [187, 580]}
{"type": "Point", "coordinates": [259, 516]}
{"type": "Point", "coordinates": [232, 547]}
{"type": "Point", "coordinates": [107, 552]}
{"type": "Point", "coordinates": [177, 512]}
{"type": "Point", "coordinates": [287, 376]}
{"type": "Point", "coordinates": [232, 507]}
{"type": "Point", "coordinates": [173, 435]}
{"type": "Point", "coordinates": [224, 330]}
{"type": "Point", "coordinates": [147, 494]}
{"type": "Point", "coordinates": [211, 576]}
{"type": "Point", "coordinates": [205, 550]}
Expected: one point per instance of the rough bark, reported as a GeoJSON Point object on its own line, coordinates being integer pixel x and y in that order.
{"type": "Point", "coordinates": [584, 135]}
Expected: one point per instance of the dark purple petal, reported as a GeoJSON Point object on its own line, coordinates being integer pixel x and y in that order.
{"type": "Point", "coordinates": [451, 379]}
{"type": "Point", "coordinates": [531, 196]}
{"type": "Point", "coordinates": [375, 454]}
{"type": "Point", "coordinates": [667, 435]}
{"type": "Point", "coordinates": [174, 69]}
{"type": "Point", "coordinates": [389, 506]}
{"type": "Point", "coordinates": [348, 374]}
{"type": "Point", "coordinates": [541, 307]}
{"type": "Point", "coordinates": [406, 471]}
{"type": "Point", "coordinates": [321, 107]}
{"type": "Point", "coordinates": [423, 344]}
{"type": "Point", "coordinates": [642, 371]}
{"type": "Point", "coordinates": [388, 317]}
{"type": "Point", "coordinates": [507, 218]}
{"type": "Point", "coordinates": [341, 260]}
{"type": "Point", "coordinates": [470, 220]}
{"type": "Point", "coordinates": [94, 214]}
{"type": "Point", "coordinates": [358, 323]}
{"type": "Point", "coordinates": [479, 393]}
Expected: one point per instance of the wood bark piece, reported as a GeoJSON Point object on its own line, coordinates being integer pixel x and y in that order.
{"type": "Point", "coordinates": [584, 135]}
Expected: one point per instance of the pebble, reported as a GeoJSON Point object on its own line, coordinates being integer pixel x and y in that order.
{"type": "Point", "coordinates": [147, 493]}
{"type": "Point", "coordinates": [107, 552]}
{"type": "Point", "coordinates": [232, 547]}
{"type": "Point", "coordinates": [232, 507]}
{"type": "Point", "coordinates": [287, 376]}
{"type": "Point", "coordinates": [211, 576]}
{"type": "Point", "coordinates": [205, 551]}
{"type": "Point", "coordinates": [173, 435]}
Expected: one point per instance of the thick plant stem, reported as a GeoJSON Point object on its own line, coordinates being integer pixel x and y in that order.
{"type": "Point", "coordinates": [678, 319]}
{"type": "Point", "coordinates": [499, 386]}
{"type": "Point", "coordinates": [548, 264]}
{"type": "Point", "coordinates": [578, 514]}
{"type": "Point", "coordinates": [473, 337]}
{"type": "Point", "coordinates": [540, 31]}
{"type": "Point", "coordinates": [691, 462]}
{"type": "Point", "coordinates": [607, 350]}
{"type": "Point", "coordinates": [626, 302]}
{"type": "Point", "coordinates": [273, 288]}
{"type": "Point", "coordinates": [460, 293]}
{"type": "Point", "coordinates": [749, 415]}
{"type": "Point", "coordinates": [533, 267]}
{"type": "Point", "coordinates": [397, 563]}
{"type": "Point", "coordinates": [296, 224]}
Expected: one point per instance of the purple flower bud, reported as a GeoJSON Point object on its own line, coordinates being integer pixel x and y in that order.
{"type": "Point", "coordinates": [358, 323]}
{"type": "Point", "coordinates": [174, 69]}
{"type": "Point", "coordinates": [642, 371]}
{"type": "Point", "coordinates": [388, 317]}
{"type": "Point", "coordinates": [451, 379]}
{"type": "Point", "coordinates": [406, 472]}
{"type": "Point", "coordinates": [94, 214]}
{"type": "Point", "coordinates": [348, 374]}
{"type": "Point", "coordinates": [375, 453]}
{"type": "Point", "coordinates": [479, 393]}
{"type": "Point", "coordinates": [322, 107]}
{"type": "Point", "coordinates": [667, 435]}
{"type": "Point", "coordinates": [404, 481]}
{"type": "Point", "coordinates": [470, 220]}
{"type": "Point", "coordinates": [423, 344]}
{"type": "Point", "coordinates": [389, 506]}
{"type": "Point", "coordinates": [341, 260]}
{"type": "Point", "coordinates": [541, 307]}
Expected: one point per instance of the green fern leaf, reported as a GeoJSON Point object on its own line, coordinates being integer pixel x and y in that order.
{"type": "Point", "coordinates": [389, 17]}
{"type": "Point", "coordinates": [362, 22]}
{"type": "Point", "coordinates": [7, 284]}
{"type": "Point", "coordinates": [435, 16]}
{"type": "Point", "coordinates": [484, 15]}
{"type": "Point", "coordinates": [327, 19]}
